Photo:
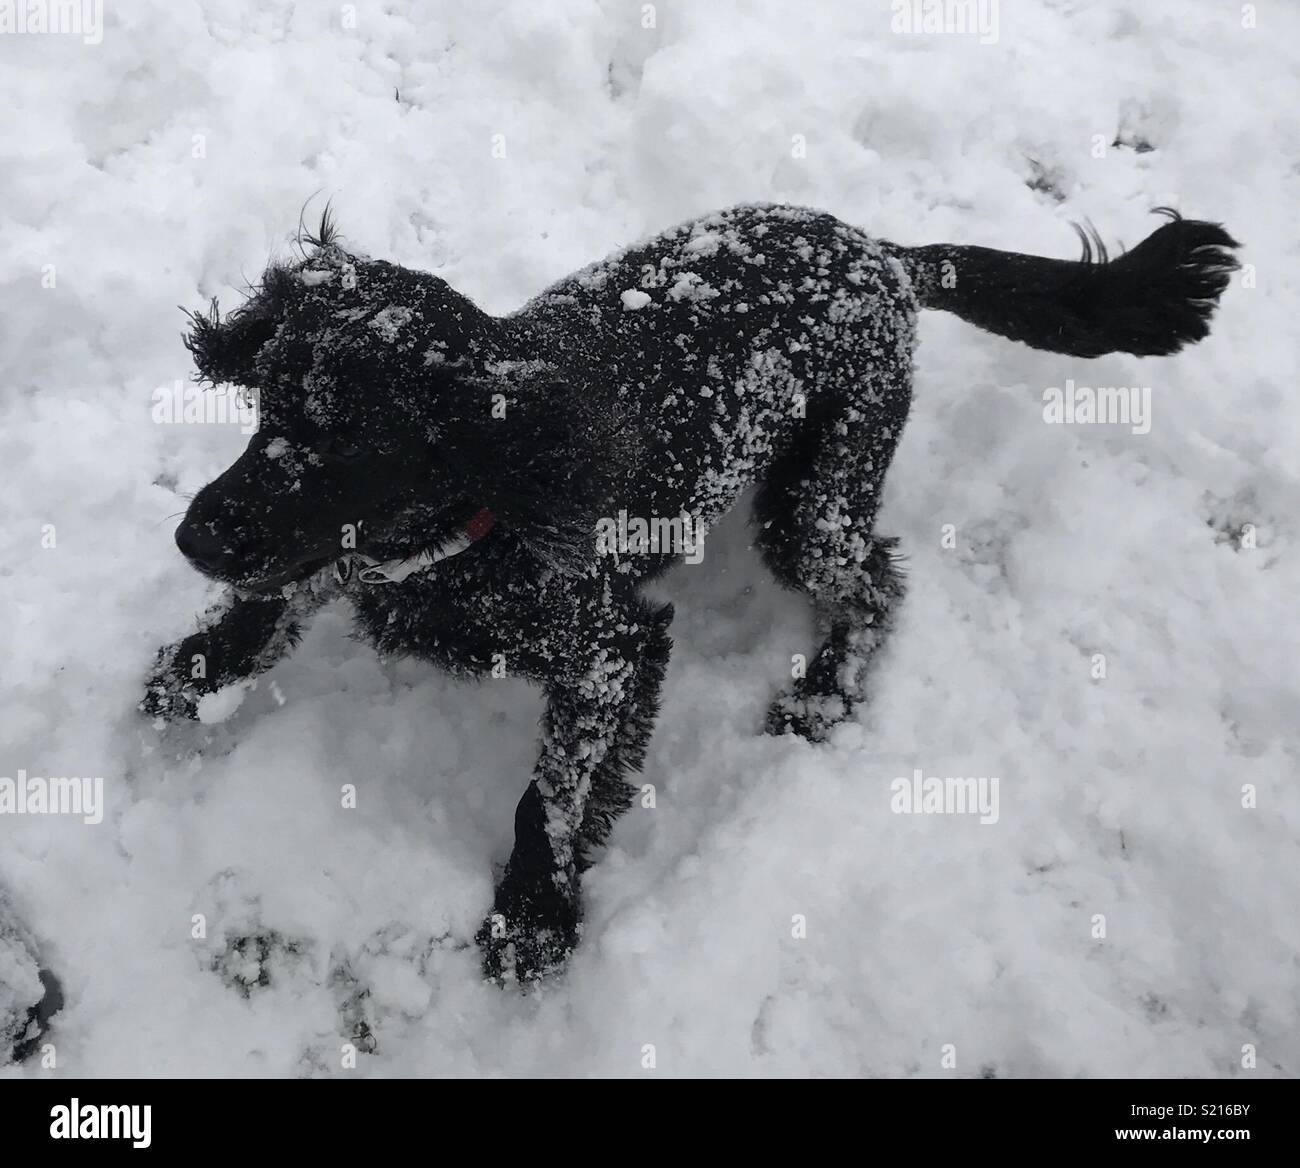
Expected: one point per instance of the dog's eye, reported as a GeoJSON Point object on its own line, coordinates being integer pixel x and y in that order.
{"type": "Point", "coordinates": [344, 450]}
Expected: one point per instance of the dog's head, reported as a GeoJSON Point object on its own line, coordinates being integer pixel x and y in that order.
{"type": "Point", "coordinates": [391, 410]}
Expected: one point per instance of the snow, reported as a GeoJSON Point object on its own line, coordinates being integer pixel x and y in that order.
{"type": "Point", "coordinates": [388, 321]}
{"type": "Point", "coordinates": [690, 286]}
{"type": "Point", "coordinates": [219, 706]}
{"type": "Point", "coordinates": [760, 910]}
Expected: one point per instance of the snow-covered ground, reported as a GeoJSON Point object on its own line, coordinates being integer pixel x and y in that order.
{"type": "Point", "coordinates": [1125, 915]}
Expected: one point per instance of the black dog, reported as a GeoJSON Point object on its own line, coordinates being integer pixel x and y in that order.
{"type": "Point", "coordinates": [768, 345]}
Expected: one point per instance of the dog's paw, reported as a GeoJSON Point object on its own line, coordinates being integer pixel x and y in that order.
{"type": "Point", "coordinates": [810, 716]}
{"type": "Point", "coordinates": [171, 705]}
{"type": "Point", "coordinates": [523, 954]}
{"type": "Point", "coordinates": [529, 935]}
{"type": "Point", "coordinates": [171, 693]}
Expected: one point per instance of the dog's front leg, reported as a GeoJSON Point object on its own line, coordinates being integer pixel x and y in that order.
{"type": "Point", "coordinates": [536, 914]}
{"type": "Point", "coordinates": [238, 638]}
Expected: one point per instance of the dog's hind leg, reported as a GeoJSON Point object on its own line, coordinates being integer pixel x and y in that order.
{"type": "Point", "coordinates": [835, 682]}
{"type": "Point", "coordinates": [817, 512]}
{"type": "Point", "coordinates": [595, 730]}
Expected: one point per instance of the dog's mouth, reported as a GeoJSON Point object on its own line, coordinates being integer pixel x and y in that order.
{"type": "Point", "coordinates": [409, 542]}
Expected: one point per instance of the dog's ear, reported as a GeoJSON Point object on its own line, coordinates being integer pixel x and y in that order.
{"type": "Point", "coordinates": [541, 454]}
{"type": "Point", "coordinates": [225, 349]}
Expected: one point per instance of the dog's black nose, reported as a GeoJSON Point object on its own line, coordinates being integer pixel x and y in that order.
{"type": "Point", "coordinates": [201, 547]}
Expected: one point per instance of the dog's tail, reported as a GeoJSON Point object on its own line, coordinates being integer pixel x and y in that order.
{"type": "Point", "coordinates": [1150, 301]}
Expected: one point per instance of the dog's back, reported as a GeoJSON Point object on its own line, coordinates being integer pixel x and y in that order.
{"type": "Point", "coordinates": [723, 336]}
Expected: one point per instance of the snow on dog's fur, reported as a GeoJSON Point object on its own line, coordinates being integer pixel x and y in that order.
{"type": "Point", "coordinates": [446, 471]}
